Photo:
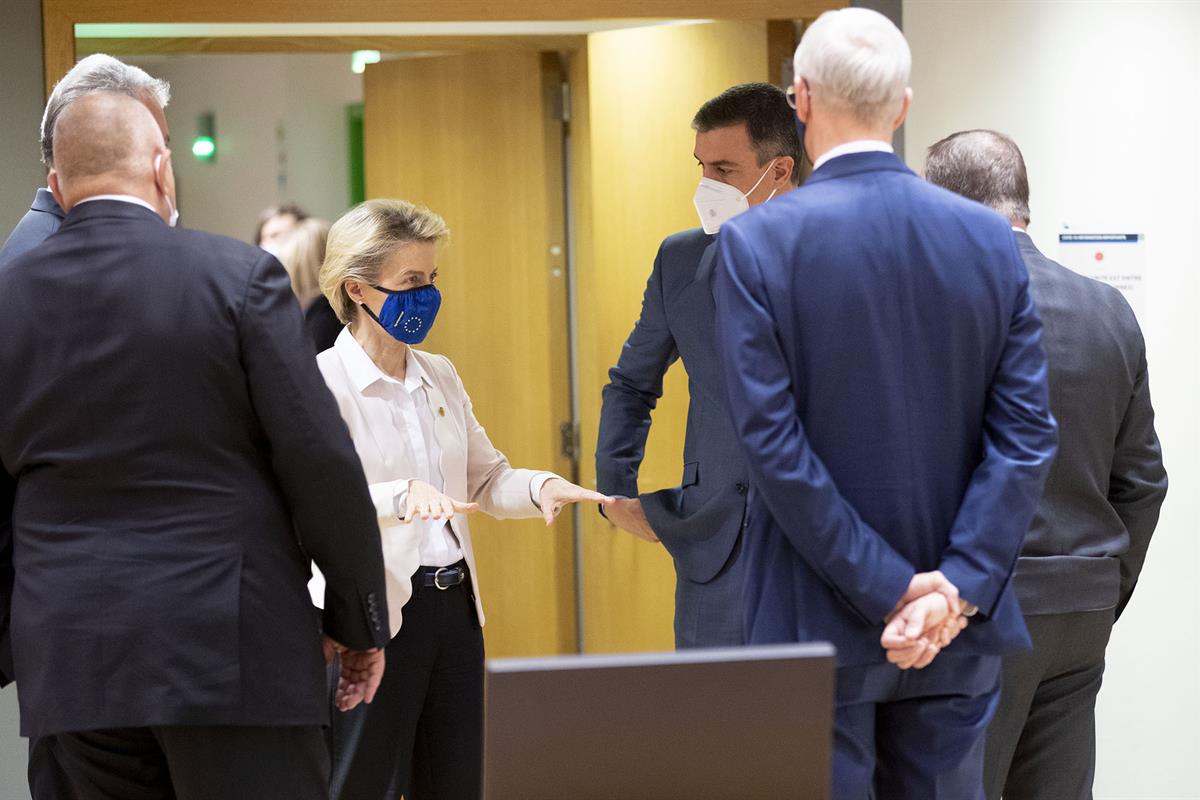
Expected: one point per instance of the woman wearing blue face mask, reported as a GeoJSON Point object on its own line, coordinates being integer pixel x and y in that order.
{"type": "Point", "coordinates": [429, 464]}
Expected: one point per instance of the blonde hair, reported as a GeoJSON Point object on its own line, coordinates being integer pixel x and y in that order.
{"type": "Point", "coordinates": [362, 240]}
{"type": "Point", "coordinates": [302, 252]}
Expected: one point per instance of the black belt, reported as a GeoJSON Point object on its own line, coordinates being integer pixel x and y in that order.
{"type": "Point", "coordinates": [443, 577]}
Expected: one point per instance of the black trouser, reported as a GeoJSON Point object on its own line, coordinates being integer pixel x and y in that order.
{"type": "Point", "coordinates": [47, 780]}
{"type": "Point", "coordinates": [422, 736]}
{"type": "Point", "coordinates": [1041, 744]}
{"type": "Point", "coordinates": [195, 763]}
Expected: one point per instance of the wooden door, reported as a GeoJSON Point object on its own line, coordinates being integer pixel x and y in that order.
{"type": "Point", "coordinates": [475, 138]}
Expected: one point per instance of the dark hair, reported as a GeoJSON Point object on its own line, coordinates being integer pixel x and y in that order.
{"type": "Point", "coordinates": [984, 166]}
{"type": "Point", "coordinates": [769, 120]}
{"type": "Point", "coordinates": [270, 212]}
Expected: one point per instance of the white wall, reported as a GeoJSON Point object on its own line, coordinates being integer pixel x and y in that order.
{"type": "Point", "coordinates": [252, 97]}
{"type": "Point", "coordinates": [1103, 99]}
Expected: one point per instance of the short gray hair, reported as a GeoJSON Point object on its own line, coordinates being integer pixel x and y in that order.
{"type": "Point", "coordinates": [857, 60]}
{"type": "Point", "coordinates": [984, 166]}
{"type": "Point", "coordinates": [98, 73]}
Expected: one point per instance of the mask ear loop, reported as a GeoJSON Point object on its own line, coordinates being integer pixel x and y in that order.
{"type": "Point", "coordinates": [760, 180]}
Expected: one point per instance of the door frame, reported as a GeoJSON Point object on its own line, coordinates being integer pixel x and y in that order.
{"type": "Point", "coordinates": [59, 17]}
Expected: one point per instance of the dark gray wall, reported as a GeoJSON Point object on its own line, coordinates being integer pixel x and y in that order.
{"type": "Point", "coordinates": [21, 172]}
{"type": "Point", "coordinates": [20, 111]}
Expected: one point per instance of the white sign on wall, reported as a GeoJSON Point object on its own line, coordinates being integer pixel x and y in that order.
{"type": "Point", "coordinates": [1118, 259]}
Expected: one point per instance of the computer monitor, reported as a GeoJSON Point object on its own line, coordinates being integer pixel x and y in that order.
{"type": "Point", "coordinates": [752, 723]}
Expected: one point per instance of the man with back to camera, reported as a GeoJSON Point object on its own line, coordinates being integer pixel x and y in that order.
{"type": "Point", "coordinates": [1082, 555]}
{"type": "Point", "coordinates": [885, 372]}
{"type": "Point", "coordinates": [96, 72]}
{"type": "Point", "coordinates": [171, 462]}
{"type": "Point", "coordinates": [747, 147]}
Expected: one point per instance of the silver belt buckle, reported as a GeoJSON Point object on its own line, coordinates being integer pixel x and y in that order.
{"type": "Point", "coordinates": [437, 576]}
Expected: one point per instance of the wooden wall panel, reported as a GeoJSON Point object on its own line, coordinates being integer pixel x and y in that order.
{"type": "Point", "coordinates": [468, 137]}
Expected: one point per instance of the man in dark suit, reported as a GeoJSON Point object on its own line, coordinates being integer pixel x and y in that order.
{"type": "Point", "coordinates": [746, 142]}
{"type": "Point", "coordinates": [886, 377]}
{"type": "Point", "coordinates": [96, 72]}
{"type": "Point", "coordinates": [1089, 538]}
{"type": "Point", "coordinates": [171, 462]}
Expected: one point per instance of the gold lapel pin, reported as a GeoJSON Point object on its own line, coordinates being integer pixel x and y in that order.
{"type": "Point", "coordinates": [441, 411]}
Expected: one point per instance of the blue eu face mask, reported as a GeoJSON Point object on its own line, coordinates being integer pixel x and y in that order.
{"type": "Point", "coordinates": [408, 314]}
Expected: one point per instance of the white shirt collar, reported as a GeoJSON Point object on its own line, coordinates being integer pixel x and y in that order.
{"type": "Point", "coordinates": [124, 198]}
{"type": "Point", "coordinates": [364, 372]}
{"type": "Point", "coordinates": [857, 146]}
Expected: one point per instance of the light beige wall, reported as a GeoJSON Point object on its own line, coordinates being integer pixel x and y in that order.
{"type": "Point", "coordinates": [1102, 99]}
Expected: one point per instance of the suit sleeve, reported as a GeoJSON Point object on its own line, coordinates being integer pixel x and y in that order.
{"type": "Point", "coordinates": [8, 488]}
{"type": "Point", "coordinates": [1138, 482]}
{"type": "Point", "coordinates": [313, 459]}
{"type": "Point", "coordinates": [634, 387]}
{"type": "Point", "coordinates": [856, 562]}
{"type": "Point", "coordinates": [1020, 437]}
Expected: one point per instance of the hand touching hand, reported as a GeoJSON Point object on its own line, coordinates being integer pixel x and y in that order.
{"type": "Point", "coordinates": [359, 675]}
{"type": "Point", "coordinates": [426, 502]}
{"type": "Point", "coordinates": [926, 619]}
{"type": "Point", "coordinates": [628, 515]}
{"type": "Point", "coordinates": [558, 493]}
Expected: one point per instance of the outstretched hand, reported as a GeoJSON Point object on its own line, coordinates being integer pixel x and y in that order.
{"type": "Point", "coordinates": [426, 502]}
{"type": "Point", "coordinates": [558, 493]}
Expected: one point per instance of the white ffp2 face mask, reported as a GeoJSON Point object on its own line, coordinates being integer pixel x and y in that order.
{"type": "Point", "coordinates": [717, 202]}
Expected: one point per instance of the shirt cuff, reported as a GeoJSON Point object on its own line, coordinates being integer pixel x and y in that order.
{"type": "Point", "coordinates": [535, 487]}
{"type": "Point", "coordinates": [400, 500]}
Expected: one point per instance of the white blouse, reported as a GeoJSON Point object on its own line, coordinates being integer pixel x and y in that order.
{"type": "Point", "coordinates": [422, 428]}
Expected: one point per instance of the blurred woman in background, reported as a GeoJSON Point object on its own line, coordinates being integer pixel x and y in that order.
{"type": "Point", "coordinates": [302, 251]}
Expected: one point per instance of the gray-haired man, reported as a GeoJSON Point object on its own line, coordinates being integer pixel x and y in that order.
{"type": "Point", "coordinates": [1082, 555]}
{"type": "Point", "coordinates": [95, 73]}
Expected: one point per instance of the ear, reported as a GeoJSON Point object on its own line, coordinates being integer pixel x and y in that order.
{"type": "Point", "coordinates": [785, 167]}
{"type": "Point", "coordinates": [803, 100]}
{"type": "Point", "coordinates": [56, 190]}
{"type": "Point", "coordinates": [354, 291]}
{"type": "Point", "coordinates": [162, 168]}
{"type": "Point", "coordinates": [908, 94]}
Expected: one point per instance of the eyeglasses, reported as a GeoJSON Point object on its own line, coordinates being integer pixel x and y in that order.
{"type": "Point", "coordinates": [790, 94]}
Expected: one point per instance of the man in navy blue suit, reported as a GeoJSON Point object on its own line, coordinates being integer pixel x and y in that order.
{"type": "Point", "coordinates": [747, 147]}
{"type": "Point", "coordinates": [885, 372]}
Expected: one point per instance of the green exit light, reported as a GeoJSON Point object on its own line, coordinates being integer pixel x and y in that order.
{"type": "Point", "coordinates": [204, 148]}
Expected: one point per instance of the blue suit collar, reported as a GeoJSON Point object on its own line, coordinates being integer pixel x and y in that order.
{"type": "Point", "coordinates": [856, 163]}
{"type": "Point", "coordinates": [44, 201]}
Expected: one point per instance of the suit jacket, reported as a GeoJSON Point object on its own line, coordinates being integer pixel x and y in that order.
{"type": "Point", "coordinates": [699, 521]}
{"type": "Point", "coordinates": [471, 466]}
{"type": "Point", "coordinates": [41, 220]}
{"type": "Point", "coordinates": [1092, 529]}
{"type": "Point", "coordinates": [172, 459]}
{"type": "Point", "coordinates": [887, 381]}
